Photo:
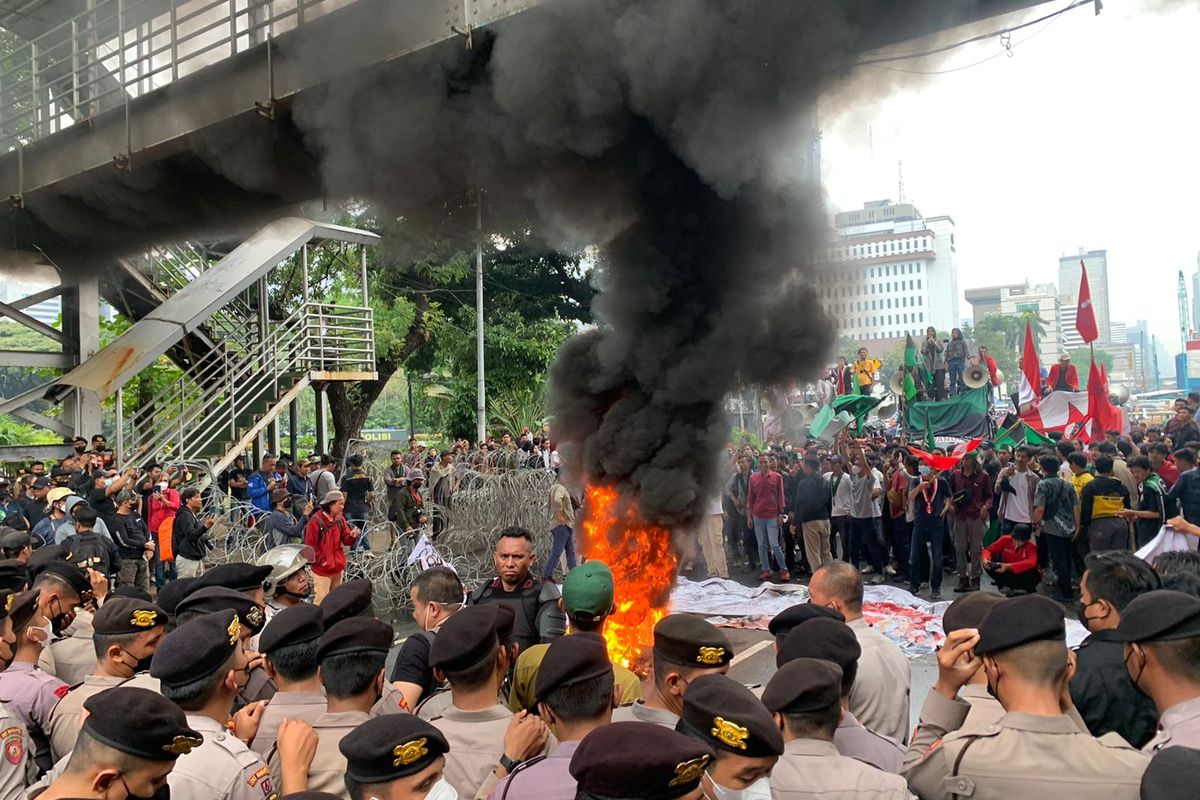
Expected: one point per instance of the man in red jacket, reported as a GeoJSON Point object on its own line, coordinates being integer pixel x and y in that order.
{"type": "Point", "coordinates": [326, 533]}
{"type": "Point", "coordinates": [765, 502]}
{"type": "Point", "coordinates": [1012, 562]}
{"type": "Point", "coordinates": [1063, 377]}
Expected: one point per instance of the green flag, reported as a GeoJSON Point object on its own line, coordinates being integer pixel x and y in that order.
{"type": "Point", "coordinates": [910, 368]}
{"type": "Point", "coordinates": [1023, 433]}
{"type": "Point", "coordinates": [856, 405]}
{"type": "Point", "coordinates": [820, 422]}
{"type": "Point", "coordinates": [930, 442]}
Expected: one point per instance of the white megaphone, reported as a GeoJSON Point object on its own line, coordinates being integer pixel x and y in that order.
{"type": "Point", "coordinates": [808, 411]}
{"type": "Point", "coordinates": [885, 410]}
{"type": "Point", "coordinates": [975, 376]}
{"type": "Point", "coordinates": [896, 383]}
{"type": "Point", "coordinates": [1118, 394]}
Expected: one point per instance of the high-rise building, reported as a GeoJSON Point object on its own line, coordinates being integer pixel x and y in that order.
{"type": "Point", "coordinates": [1038, 302]}
{"type": "Point", "coordinates": [1068, 286]}
{"type": "Point", "coordinates": [891, 271]}
{"type": "Point", "coordinates": [1196, 296]}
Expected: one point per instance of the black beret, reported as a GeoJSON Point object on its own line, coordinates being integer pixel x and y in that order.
{"type": "Point", "coordinates": [356, 635]}
{"type": "Point", "coordinates": [468, 637]}
{"type": "Point", "coordinates": [639, 761]}
{"type": "Point", "coordinates": [13, 575]}
{"type": "Point", "coordinates": [217, 598]}
{"type": "Point", "coordinates": [726, 715]}
{"type": "Point", "coordinates": [120, 615]}
{"type": "Point", "coordinates": [23, 608]}
{"type": "Point", "coordinates": [239, 576]}
{"type": "Point", "coordinates": [806, 684]}
{"type": "Point", "coordinates": [1163, 615]}
{"type": "Point", "coordinates": [294, 625]}
{"type": "Point", "coordinates": [132, 592]}
{"type": "Point", "coordinates": [792, 616]}
{"type": "Point", "coordinates": [171, 595]}
{"type": "Point", "coordinates": [1171, 774]}
{"type": "Point", "coordinates": [1019, 621]}
{"type": "Point", "coordinates": [45, 554]}
{"type": "Point", "coordinates": [969, 610]}
{"type": "Point", "coordinates": [158, 731]}
{"type": "Point", "coordinates": [74, 577]}
{"type": "Point", "coordinates": [13, 539]}
{"type": "Point", "coordinates": [825, 639]}
{"type": "Point", "coordinates": [197, 648]}
{"type": "Point", "coordinates": [570, 660]}
{"type": "Point", "coordinates": [391, 746]}
{"type": "Point", "coordinates": [351, 599]}
{"type": "Point", "coordinates": [690, 641]}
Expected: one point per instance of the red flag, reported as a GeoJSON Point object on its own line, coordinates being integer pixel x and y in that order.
{"type": "Point", "coordinates": [1102, 414]}
{"type": "Point", "coordinates": [1085, 314]}
{"type": "Point", "coordinates": [1031, 372]}
{"type": "Point", "coordinates": [943, 463]}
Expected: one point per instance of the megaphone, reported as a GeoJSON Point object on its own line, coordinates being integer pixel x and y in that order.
{"type": "Point", "coordinates": [975, 376]}
{"type": "Point", "coordinates": [885, 410]}
{"type": "Point", "coordinates": [896, 383]}
{"type": "Point", "coordinates": [808, 411]}
{"type": "Point", "coordinates": [1119, 394]}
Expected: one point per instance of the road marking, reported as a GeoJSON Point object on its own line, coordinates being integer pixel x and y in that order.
{"type": "Point", "coordinates": [742, 656]}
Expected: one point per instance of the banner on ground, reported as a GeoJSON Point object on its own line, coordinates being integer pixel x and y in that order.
{"type": "Point", "coordinates": [961, 417]}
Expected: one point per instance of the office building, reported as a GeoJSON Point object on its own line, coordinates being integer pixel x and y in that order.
{"type": "Point", "coordinates": [1069, 273]}
{"type": "Point", "coordinates": [891, 271]}
{"type": "Point", "coordinates": [1021, 300]}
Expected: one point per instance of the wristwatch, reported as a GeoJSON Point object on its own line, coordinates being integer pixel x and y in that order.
{"type": "Point", "coordinates": [508, 764]}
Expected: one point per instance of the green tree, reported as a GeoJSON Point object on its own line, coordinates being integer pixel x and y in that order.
{"type": "Point", "coordinates": [1081, 357]}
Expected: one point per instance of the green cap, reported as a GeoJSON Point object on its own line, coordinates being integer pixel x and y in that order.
{"type": "Point", "coordinates": [587, 591]}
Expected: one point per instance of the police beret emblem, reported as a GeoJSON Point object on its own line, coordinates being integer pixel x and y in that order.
{"type": "Point", "coordinates": [711, 655]}
{"type": "Point", "coordinates": [8, 603]}
{"type": "Point", "coordinates": [729, 733]}
{"type": "Point", "coordinates": [254, 617]}
{"type": "Point", "coordinates": [144, 619]}
{"type": "Point", "coordinates": [689, 771]}
{"type": "Point", "coordinates": [234, 630]}
{"type": "Point", "coordinates": [410, 752]}
{"type": "Point", "coordinates": [182, 745]}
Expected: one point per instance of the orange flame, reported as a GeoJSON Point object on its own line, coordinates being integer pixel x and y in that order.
{"type": "Point", "coordinates": [642, 563]}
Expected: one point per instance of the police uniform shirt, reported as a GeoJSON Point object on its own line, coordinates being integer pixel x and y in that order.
{"type": "Point", "coordinates": [640, 712]}
{"type": "Point", "coordinates": [1022, 755]}
{"type": "Point", "coordinates": [879, 697]}
{"type": "Point", "coordinates": [63, 728]}
{"type": "Point", "coordinates": [812, 769]}
{"type": "Point", "coordinates": [73, 657]}
{"type": "Point", "coordinates": [548, 778]}
{"type": "Point", "coordinates": [14, 766]}
{"type": "Point", "coordinates": [308, 706]}
{"type": "Point", "coordinates": [31, 694]}
{"type": "Point", "coordinates": [1179, 727]}
{"type": "Point", "coordinates": [327, 772]}
{"type": "Point", "coordinates": [433, 707]}
{"type": "Point", "coordinates": [854, 740]}
{"type": "Point", "coordinates": [391, 701]}
{"type": "Point", "coordinates": [223, 768]}
{"type": "Point", "coordinates": [476, 741]}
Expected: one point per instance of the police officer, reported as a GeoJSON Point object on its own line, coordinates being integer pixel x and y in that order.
{"type": "Point", "coordinates": [1161, 631]}
{"type": "Point", "coordinates": [831, 640]}
{"type": "Point", "coordinates": [120, 751]}
{"type": "Point", "coordinates": [68, 598]}
{"type": "Point", "coordinates": [289, 647]}
{"type": "Point", "coordinates": [805, 698]}
{"type": "Point", "coordinates": [14, 737]}
{"type": "Point", "coordinates": [251, 619]}
{"type": "Point", "coordinates": [640, 761]}
{"type": "Point", "coordinates": [352, 654]}
{"type": "Point", "coordinates": [969, 611]}
{"type": "Point", "coordinates": [576, 693]}
{"type": "Point", "coordinates": [1171, 775]}
{"type": "Point", "coordinates": [28, 691]}
{"type": "Point", "coordinates": [1021, 645]}
{"type": "Point", "coordinates": [487, 740]}
{"type": "Point", "coordinates": [727, 717]}
{"type": "Point", "coordinates": [202, 666]}
{"type": "Point", "coordinates": [239, 576]}
{"type": "Point", "coordinates": [127, 632]}
{"type": "Point", "coordinates": [535, 602]}
{"type": "Point", "coordinates": [396, 756]}
{"type": "Point", "coordinates": [288, 584]}
{"type": "Point", "coordinates": [354, 599]}
{"type": "Point", "coordinates": [684, 647]}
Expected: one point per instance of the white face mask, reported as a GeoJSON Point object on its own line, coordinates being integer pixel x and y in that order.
{"type": "Point", "coordinates": [442, 790]}
{"type": "Point", "coordinates": [47, 632]}
{"type": "Point", "coordinates": [759, 790]}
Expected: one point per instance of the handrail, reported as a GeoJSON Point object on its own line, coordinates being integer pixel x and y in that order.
{"type": "Point", "coordinates": [121, 49]}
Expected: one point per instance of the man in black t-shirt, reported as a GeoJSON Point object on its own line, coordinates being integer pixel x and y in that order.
{"type": "Point", "coordinates": [235, 479]}
{"type": "Point", "coordinates": [104, 488]}
{"type": "Point", "coordinates": [436, 594]}
{"type": "Point", "coordinates": [930, 498]}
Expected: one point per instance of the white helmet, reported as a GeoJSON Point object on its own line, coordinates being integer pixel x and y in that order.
{"type": "Point", "coordinates": [284, 561]}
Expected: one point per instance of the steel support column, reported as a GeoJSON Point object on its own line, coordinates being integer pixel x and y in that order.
{"type": "Point", "coordinates": [322, 420]}
{"type": "Point", "coordinates": [81, 324]}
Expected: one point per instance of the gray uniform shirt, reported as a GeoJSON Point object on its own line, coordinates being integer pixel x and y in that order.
{"type": "Point", "coordinates": [308, 706]}
{"type": "Point", "coordinates": [1178, 727]}
{"type": "Point", "coordinates": [548, 779]}
{"type": "Point", "coordinates": [73, 657]}
{"type": "Point", "coordinates": [856, 741]}
{"type": "Point", "coordinates": [327, 772]}
{"type": "Point", "coordinates": [811, 769]}
{"type": "Point", "coordinates": [879, 698]}
{"type": "Point", "coordinates": [1021, 755]}
{"type": "Point", "coordinates": [63, 728]}
{"type": "Point", "coordinates": [476, 741]}
{"type": "Point", "coordinates": [640, 712]}
{"type": "Point", "coordinates": [15, 765]}
{"type": "Point", "coordinates": [223, 768]}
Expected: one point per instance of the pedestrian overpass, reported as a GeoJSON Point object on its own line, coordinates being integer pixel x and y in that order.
{"type": "Point", "coordinates": [112, 113]}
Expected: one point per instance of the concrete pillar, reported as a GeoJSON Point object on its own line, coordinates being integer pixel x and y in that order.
{"type": "Point", "coordinates": [321, 414]}
{"type": "Point", "coordinates": [294, 429]}
{"type": "Point", "coordinates": [81, 326]}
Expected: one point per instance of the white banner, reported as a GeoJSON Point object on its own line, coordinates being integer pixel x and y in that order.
{"type": "Point", "coordinates": [425, 555]}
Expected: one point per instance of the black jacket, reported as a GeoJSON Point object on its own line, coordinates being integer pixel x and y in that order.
{"type": "Point", "coordinates": [1104, 694]}
{"type": "Point", "coordinates": [814, 500]}
{"type": "Point", "coordinates": [188, 536]}
{"type": "Point", "coordinates": [131, 535]}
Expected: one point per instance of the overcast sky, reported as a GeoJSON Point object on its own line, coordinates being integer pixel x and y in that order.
{"type": "Point", "coordinates": [1088, 136]}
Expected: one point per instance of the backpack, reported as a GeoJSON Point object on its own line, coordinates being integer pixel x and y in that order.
{"type": "Point", "coordinates": [88, 551]}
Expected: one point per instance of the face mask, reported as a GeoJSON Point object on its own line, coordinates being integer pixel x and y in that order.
{"type": "Point", "coordinates": [140, 664]}
{"type": "Point", "coordinates": [759, 790]}
{"type": "Point", "coordinates": [1081, 612]}
{"type": "Point", "coordinates": [1135, 678]}
{"type": "Point", "coordinates": [47, 634]}
{"type": "Point", "coordinates": [58, 622]}
{"type": "Point", "coordinates": [855, 469]}
{"type": "Point", "coordinates": [923, 469]}
{"type": "Point", "coordinates": [442, 790]}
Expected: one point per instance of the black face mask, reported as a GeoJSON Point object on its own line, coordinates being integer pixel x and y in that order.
{"type": "Point", "coordinates": [58, 622]}
{"type": "Point", "coordinates": [142, 664]}
{"type": "Point", "coordinates": [1135, 678]}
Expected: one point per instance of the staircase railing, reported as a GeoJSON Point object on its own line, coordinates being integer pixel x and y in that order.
{"type": "Point", "coordinates": [213, 402]}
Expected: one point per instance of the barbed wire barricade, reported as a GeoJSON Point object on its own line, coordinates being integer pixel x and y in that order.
{"type": "Point", "coordinates": [491, 491]}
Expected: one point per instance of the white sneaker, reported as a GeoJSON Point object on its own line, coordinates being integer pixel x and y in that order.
{"type": "Point", "coordinates": [890, 570]}
{"type": "Point", "coordinates": [868, 570]}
